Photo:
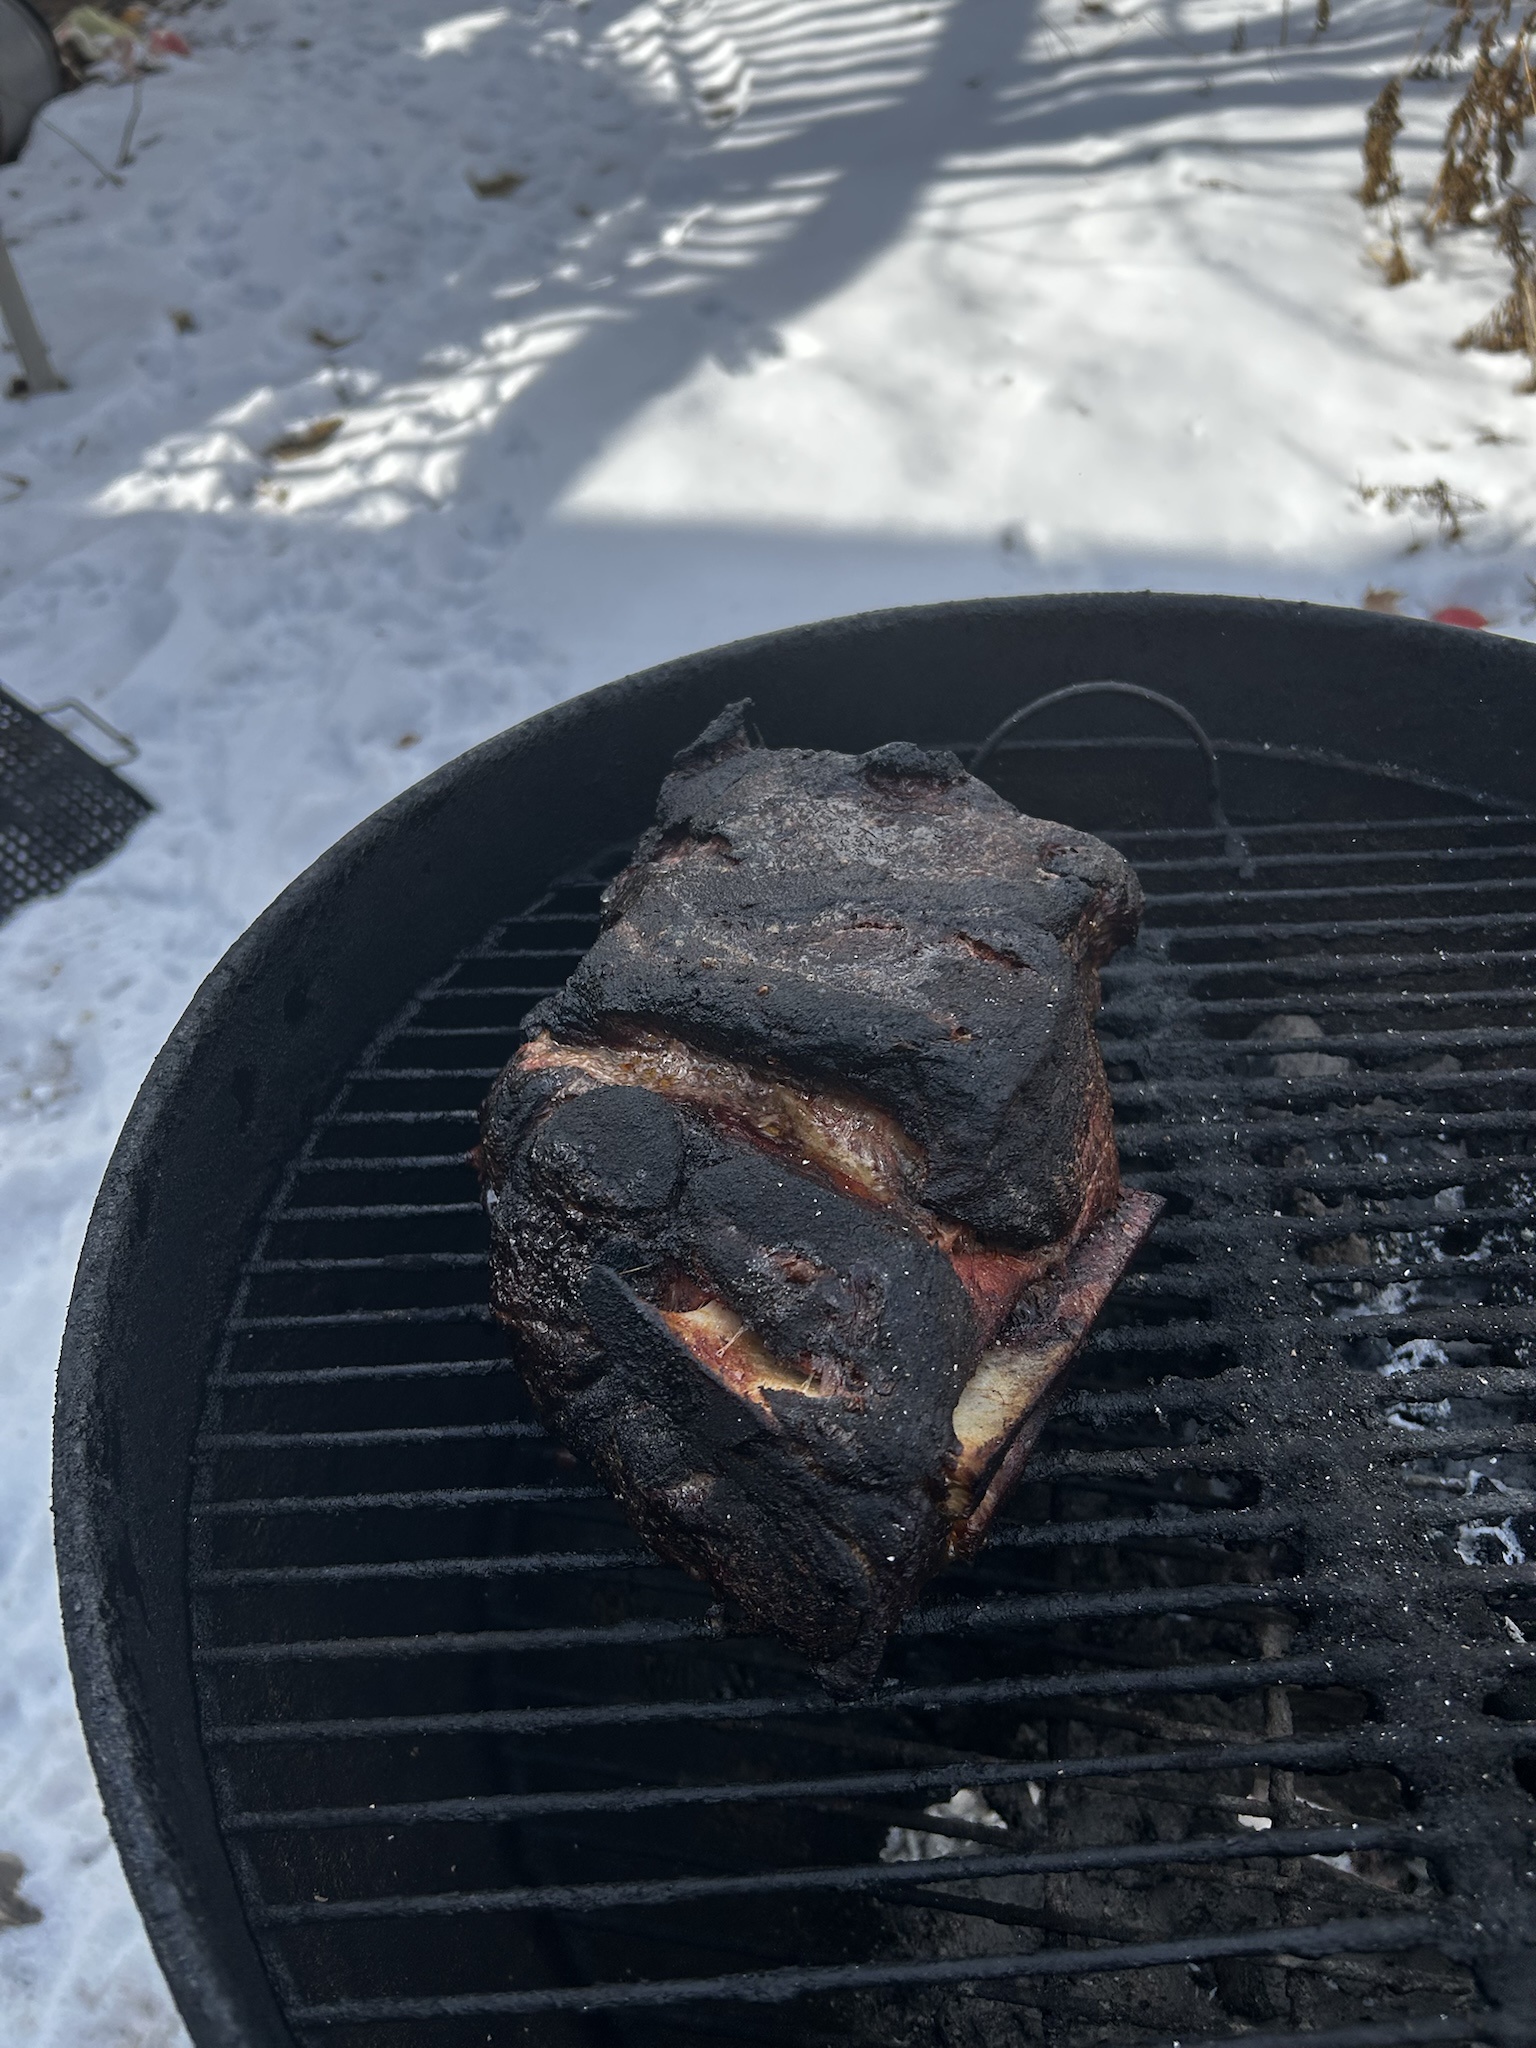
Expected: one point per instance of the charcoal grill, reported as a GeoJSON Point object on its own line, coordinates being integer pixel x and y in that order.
{"type": "Point", "coordinates": [405, 1741]}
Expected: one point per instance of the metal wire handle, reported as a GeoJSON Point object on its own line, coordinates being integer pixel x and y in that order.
{"type": "Point", "coordinates": [1232, 840]}
{"type": "Point", "coordinates": [129, 745]}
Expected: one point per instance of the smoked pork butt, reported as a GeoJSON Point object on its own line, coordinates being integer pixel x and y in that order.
{"type": "Point", "coordinates": [803, 1190]}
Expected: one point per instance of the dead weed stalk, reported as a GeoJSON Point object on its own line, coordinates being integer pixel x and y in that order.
{"type": "Point", "coordinates": [1486, 130]}
{"type": "Point", "coordinates": [1474, 185]}
{"type": "Point", "coordinates": [1383, 125]}
{"type": "Point", "coordinates": [1383, 184]}
{"type": "Point", "coordinates": [1511, 327]}
{"type": "Point", "coordinates": [1449, 507]}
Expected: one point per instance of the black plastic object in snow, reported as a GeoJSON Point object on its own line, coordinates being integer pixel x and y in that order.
{"type": "Point", "coordinates": [61, 810]}
{"type": "Point", "coordinates": [407, 1743]}
{"type": "Point", "coordinates": [31, 73]}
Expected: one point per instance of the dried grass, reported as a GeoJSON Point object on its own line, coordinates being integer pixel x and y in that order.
{"type": "Point", "coordinates": [302, 441]}
{"type": "Point", "coordinates": [1486, 130]}
{"type": "Point", "coordinates": [1474, 185]}
{"type": "Point", "coordinates": [1463, 14]}
{"type": "Point", "coordinates": [1392, 261]}
{"type": "Point", "coordinates": [1383, 125]}
{"type": "Point", "coordinates": [1448, 506]}
{"type": "Point", "coordinates": [1511, 327]}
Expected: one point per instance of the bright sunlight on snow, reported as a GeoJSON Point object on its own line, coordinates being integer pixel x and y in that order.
{"type": "Point", "coordinates": [426, 366]}
{"type": "Point", "coordinates": [462, 33]}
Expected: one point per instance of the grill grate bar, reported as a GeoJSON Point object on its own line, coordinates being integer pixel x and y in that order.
{"type": "Point", "coordinates": [380, 1162]}
{"type": "Point", "coordinates": [1404, 2033]}
{"type": "Point", "coordinates": [1497, 1038]}
{"type": "Point", "coordinates": [489, 992]}
{"type": "Point", "coordinates": [994, 1613]}
{"type": "Point", "coordinates": [333, 1375]}
{"type": "Point", "coordinates": [1330, 1938]}
{"type": "Point", "coordinates": [566, 957]}
{"type": "Point", "coordinates": [1439, 857]}
{"type": "Point", "coordinates": [1331, 930]}
{"type": "Point", "coordinates": [432, 1497]}
{"type": "Point", "coordinates": [362, 1318]}
{"type": "Point", "coordinates": [1341, 1123]}
{"type": "Point", "coordinates": [1330, 970]}
{"type": "Point", "coordinates": [1439, 826]}
{"type": "Point", "coordinates": [396, 1262]}
{"type": "Point", "coordinates": [483, 1642]}
{"type": "Point", "coordinates": [1370, 1747]}
{"type": "Point", "coordinates": [1450, 1265]}
{"type": "Point", "coordinates": [387, 1262]}
{"type": "Point", "coordinates": [1459, 890]}
{"type": "Point", "coordinates": [1333, 1093]}
{"type": "Point", "coordinates": [1344, 1000]}
{"type": "Point", "coordinates": [218, 1440]}
{"type": "Point", "coordinates": [1207, 1524]}
{"type": "Point", "coordinates": [939, 1620]}
{"type": "Point", "coordinates": [1091, 1467]}
{"type": "Point", "coordinates": [407, 1116]}
{"type": "Point", "coordinates": [501, 1032]}
{"type": "Point", "coordinates": [1405, 1216]}
{"type": "Point", "coordinates": [1233, 1677]}
{"type": "Point", "coordinates": [1395, 1179]}
{"type": "Point", "coordinates": [371, 1212]}
{"type": "Point", "coordinates": [416, 1073]}
{"type": "Point", "coordinates": [864, 1877]}
{"type": "Point", "coordinates": [1513, 1500]}
{"type": "Point", "coordinates": [528, 1563]}
{"type": "Point", "coordinates": [1467, 1325]}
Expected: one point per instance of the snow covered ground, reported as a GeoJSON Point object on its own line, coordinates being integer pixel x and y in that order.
{"type": "Point", "coordinates": [643, 326]}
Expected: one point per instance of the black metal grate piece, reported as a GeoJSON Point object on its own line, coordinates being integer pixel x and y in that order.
{"type": "Point", "coordinates": [61, 810]}
{"type": "Point", "coordinates": [1247, 1681]}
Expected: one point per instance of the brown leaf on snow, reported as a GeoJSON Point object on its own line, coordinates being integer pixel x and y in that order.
{"type": "Point", "coordinates": [304, 440]}
{"type": "Point", "coordinates": [501, 186]}
{"type": "Point", "coordinates": [1381, 600]}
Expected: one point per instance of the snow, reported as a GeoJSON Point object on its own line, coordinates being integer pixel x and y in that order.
{"type": "Point", "coordinates": [770, 309]}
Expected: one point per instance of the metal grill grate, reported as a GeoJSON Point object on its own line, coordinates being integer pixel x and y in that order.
{"type": "Point", "coordinates": [1249, 1675]}
{"type": "Point", "coordinates": [61, 811]}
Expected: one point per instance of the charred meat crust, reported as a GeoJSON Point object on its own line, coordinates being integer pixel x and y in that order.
{"type": "Point", "coordinates": [884, 924]}
{"type": "Point", "coordinates": [804, 1190]}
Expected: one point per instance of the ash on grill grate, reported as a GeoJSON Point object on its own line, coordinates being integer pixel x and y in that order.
{"type": "Point", "coordinates": [1248, 1674]}
{"type": "Point", "coordinates": [61, 810]}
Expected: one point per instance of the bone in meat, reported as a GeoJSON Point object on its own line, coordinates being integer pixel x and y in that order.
{"type": "Point", "coordinates": [803, 1189]}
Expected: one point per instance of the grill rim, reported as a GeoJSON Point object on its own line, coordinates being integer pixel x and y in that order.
{"type": "Point", "coordinates": [261, 1049]}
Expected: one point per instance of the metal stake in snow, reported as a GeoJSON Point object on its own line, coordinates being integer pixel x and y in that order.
{"type": "Point", "coordinates": [31, 74]}
{"type": "Point", "coordinates": [37, 372]}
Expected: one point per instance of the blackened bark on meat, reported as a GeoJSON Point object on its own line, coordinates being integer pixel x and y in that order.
{"type": "Point", "coordinates": [884, 923]}
{"type": "Point", "coordinates": [804, 1188]}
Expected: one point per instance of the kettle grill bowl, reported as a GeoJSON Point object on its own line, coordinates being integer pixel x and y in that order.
{"type": "Point", "coordinates": [265, 1044]}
